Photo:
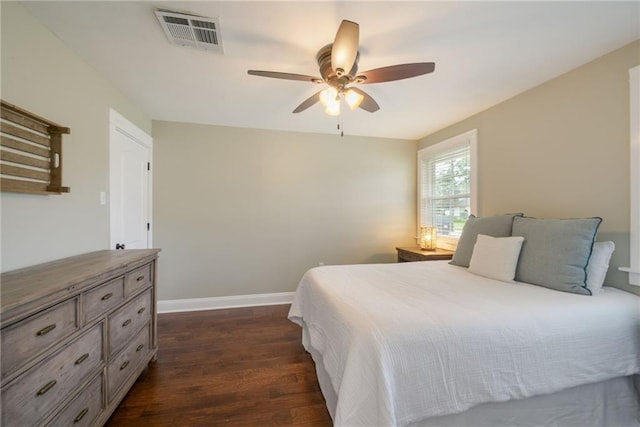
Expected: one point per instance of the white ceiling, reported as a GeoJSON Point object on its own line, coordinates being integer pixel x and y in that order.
{"type": "Point", "coordinates": [485, 52]}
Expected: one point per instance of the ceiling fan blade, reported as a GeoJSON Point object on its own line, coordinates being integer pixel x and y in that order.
{"type": "Point", "coordinates": [307, 102]}
{"type": "Point", "coordinates": [286, 76]}
{"type": "Point", "coordinates": [368, 103]}
{"type": "Point", "coordinates": [345, 46]}
{"type": "Point", "coordinates": [397, 72]}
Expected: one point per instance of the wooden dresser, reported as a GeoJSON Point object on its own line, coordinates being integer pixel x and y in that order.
{"type": "Point", "coordinates": [76, 334]}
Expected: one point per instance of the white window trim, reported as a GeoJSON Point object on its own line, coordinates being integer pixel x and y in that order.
{"type": "Point", "coordinates": [471, 138]}
{"type": "Point", "coordinates": [634, 226]}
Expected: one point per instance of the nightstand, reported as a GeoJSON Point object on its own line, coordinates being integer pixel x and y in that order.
{"type": "Point", "coordinates": [417, 254]}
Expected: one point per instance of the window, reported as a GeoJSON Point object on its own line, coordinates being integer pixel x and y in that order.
{"type": "Point", "coordinates": [447, 185]}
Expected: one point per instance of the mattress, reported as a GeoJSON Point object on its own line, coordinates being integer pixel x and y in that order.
{"type": "Point", "coordinates": [405, 343]}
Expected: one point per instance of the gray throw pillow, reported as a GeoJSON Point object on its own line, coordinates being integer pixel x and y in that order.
{"type": "Point", "coordinates": [555, 252]}
{"type": "Point", "coordinates": [494, 226]}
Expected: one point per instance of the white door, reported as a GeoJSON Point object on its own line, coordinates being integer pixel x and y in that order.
{"type": "Point", "coordinates": [129, 184]}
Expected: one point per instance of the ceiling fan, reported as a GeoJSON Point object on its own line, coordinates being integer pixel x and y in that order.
{"type": "Point", "coordinates": [338, 64]}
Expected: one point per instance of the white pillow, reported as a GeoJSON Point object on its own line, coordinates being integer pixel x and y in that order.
{"type": "Point", "coordinates": [598, 265]}
{"type": "Point", "coordinates": [496, 257]}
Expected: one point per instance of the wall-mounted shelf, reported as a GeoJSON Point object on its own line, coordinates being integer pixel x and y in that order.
{"type": "Point", "coordinates": [30, 152]}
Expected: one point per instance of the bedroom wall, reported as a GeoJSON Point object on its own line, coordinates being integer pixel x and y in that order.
{"type": "Point", "coordinates": [43, 76]}
{"type": "Point", "coordinates": [245, 211]}
{"type": "Point", "coordinates": [561, 150]}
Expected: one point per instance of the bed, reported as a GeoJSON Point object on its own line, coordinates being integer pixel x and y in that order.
{"type": "Point", "coordinates": [435, 344]}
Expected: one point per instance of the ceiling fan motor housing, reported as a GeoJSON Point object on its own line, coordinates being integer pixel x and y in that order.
{"type": "Point", "coordinates": [323, 57]}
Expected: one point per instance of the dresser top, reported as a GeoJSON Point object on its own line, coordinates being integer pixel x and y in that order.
{"type": "Point", "coordinates": [55, 280]}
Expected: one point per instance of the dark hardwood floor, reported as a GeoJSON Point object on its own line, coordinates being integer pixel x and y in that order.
{"type": "Point", "coordinates": [234, 367]}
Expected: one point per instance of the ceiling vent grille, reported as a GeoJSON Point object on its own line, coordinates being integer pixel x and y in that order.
{"type": "Point", "coordinates": [191, 30]}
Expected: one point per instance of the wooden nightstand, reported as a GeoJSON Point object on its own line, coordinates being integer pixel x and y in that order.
{"type": "Point", "coordinates": [417, 254]}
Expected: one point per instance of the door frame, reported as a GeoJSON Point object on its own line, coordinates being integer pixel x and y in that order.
{"type": "Point", "coordinates": [118, 123]}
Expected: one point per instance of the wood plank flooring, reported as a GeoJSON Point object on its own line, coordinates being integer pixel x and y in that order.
{"type": "Point", "coordinates": [234, 367]}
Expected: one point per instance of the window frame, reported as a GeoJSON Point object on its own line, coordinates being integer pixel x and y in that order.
{"type": "Point", "coordinates": [634, 226]}
{"type": "Point", "coordinates": [469, 138]}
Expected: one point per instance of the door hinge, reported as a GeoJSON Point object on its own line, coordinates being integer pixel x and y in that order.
{"type": "Point", "coordinates": [148, 166]}
{"type": "Point", "coordinates": [148, 227]}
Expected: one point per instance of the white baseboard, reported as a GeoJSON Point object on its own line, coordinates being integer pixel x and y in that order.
{"type": "Point", "coordinates": [215, 303]}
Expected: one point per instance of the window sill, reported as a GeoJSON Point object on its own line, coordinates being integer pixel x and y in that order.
{"type": "Point", "coordinates": [634, 275]}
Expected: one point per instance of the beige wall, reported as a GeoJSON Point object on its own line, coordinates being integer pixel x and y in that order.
{"type": "Point", "coordinates": [43, 76]}
{"type": "Point", "coordinates": [561, 150]}
{"type": "Point", "coordinates": [243, 211]}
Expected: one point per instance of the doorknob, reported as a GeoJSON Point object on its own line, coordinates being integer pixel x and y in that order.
{"type": "Point", "coordinates": [119, 245]}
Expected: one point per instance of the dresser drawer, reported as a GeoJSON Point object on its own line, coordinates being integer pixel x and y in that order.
{"type": "Point", "coordinates": [103, 298]}
{"type": "Point", "coordinates": [125, 322]}
{"type": "Point", "coordinates": [137, 279]}
{"type": "Point", "coordinates": [43, 387]}
{"type": "Point", "coordinates": [23, 341]}
{"type": "Point", "coordinates": [124, 366]}
{"type": "Point", "coordinates": [84, 409]}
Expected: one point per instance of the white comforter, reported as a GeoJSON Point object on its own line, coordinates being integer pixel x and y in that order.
{"type": "Point", "coordinates": [404, 342]}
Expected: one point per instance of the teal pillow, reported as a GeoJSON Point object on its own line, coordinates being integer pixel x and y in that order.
{"type": "Point", "coordinates": [494, 226]}
{"type": "Point", "coordinates": [555, 252]}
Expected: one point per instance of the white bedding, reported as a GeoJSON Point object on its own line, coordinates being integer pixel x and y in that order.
{"type": "Point", "coordinates": [405, 342]}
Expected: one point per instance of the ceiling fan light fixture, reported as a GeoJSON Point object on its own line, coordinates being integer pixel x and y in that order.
{"type": "Point", "coordinates": [333, 110]}
{"type": "Point", "coordinates": [329, 96]}
{"type": "Point", "coordinates": [353, 98]}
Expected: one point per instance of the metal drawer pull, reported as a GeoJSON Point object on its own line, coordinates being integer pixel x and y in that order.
{"type": "Point", "coordinates": [124, 365]}
{"type": "Point", "coordinates": [140, 347]}
{"type": "Point", "coordinates": [141, 310]}
{"type": "Point", "coordinates": [107, 296]}
{"type": "Point", "coordinates": [46, 388]}
{"type": "Point", "coordinates": [126, 323]}
{"type": "Point", "coordinates": [46, 330]}
{"type": "Point", "coordinates": [82, 358]}
{"type": "Point", "coordinates": [81, 415]}
{"type": "Point", "coordinates": [139, 278]}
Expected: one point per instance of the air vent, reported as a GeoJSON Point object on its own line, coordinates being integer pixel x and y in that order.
{"type": "Point", "coordinates": [191, 30]}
